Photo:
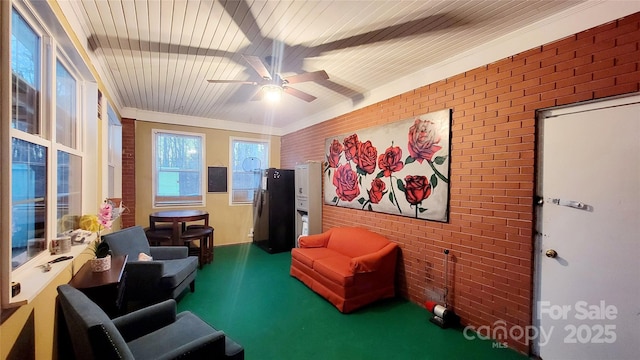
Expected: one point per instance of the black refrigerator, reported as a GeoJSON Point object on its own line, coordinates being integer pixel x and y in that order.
{"type": "Point", "coordinates": [274, 211]}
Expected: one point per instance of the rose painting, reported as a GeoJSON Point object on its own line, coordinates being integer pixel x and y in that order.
{"type": "Point", "coordinates": [400, 168]}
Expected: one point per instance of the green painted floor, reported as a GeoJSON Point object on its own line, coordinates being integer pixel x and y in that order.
{"type": "Point", "coordinates": [250, 295]}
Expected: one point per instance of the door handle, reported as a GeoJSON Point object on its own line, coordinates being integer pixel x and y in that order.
{"type": "Point", "coordinates": [551, 253]}
{"type": "Point", "coordinates": [569, 203]}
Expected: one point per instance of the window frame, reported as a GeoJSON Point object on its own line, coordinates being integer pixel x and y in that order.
{"type": "Point", "coordinates": [54, 45]}
{"type": "Point", "coordinates": [198, 200]}
{"type": "Point", "coordinates": [43, 136]}
{"type": "Point", "coordinates": [232, 140]}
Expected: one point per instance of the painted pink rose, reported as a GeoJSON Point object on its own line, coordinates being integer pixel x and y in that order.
{"type": "Point", "coordinates": [335, 150]}
{"type": "Point", "coordinates": [367, 155]}
{"type": "Point", "coordinates": [416, 188]}
{"type": "Point", "coordinates": [351, 145]}
{"type": "Point", "coordinates": [377, 190]}
{"type": "Point", "coordinates": [391, 160]}
{"type": "Point", "coordinates": [346, 182]}
{"type": "Point", "coordinates": [423, 140]}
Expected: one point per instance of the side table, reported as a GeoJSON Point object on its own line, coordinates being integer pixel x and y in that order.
{"type": "Point", "coordinates": [105, 288]}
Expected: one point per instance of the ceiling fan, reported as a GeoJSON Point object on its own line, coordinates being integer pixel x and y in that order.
{"type": "Point", "coordinates": [274, 84]}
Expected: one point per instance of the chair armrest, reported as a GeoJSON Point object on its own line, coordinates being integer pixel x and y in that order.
{"type": "Point", "coordinates": [169, 252]}
{"type": "Point", "coordinates": [146, 320]}
{"type": "Point", "coordinates": [314, 241]}
{"type": "Point", "coordinates": [210, 346]}
{"type": "Point", "coordinates": [371, 262]}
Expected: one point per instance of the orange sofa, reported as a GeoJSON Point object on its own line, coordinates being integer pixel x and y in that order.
{"type": "Point", "coordinates": [350, 267]}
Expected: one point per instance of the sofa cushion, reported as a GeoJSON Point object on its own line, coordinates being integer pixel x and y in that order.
{"type": "Point", "coordinates": [175, 271]}
{"type": "Point", "coordinates": [308, 255]}
{"type": "Point", "coordinates": [336, 269]}
{"type": "Point", "coordinates": [354, 242]}
{"type": "Point", "coordinates": [185, 329]}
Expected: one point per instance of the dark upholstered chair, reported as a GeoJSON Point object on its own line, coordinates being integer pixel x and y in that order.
{"type": "Point", "coordinates": [165, 277]}
{"type": "Point", "coordinates": [154, 332]}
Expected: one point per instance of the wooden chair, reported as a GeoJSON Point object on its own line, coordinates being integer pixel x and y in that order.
{"type": "Point", "coordinates": [161, 235]}
{"type": "Point", "coordinates": [204, 248]}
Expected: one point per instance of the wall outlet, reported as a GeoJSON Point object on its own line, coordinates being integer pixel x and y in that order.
{"type": "Point", "coordinates": [250, 234]}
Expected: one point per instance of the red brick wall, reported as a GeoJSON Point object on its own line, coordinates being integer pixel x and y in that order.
{"type": "Point", "coordinates": [129, 171]}
{"type": "Point", "coordinates": [490, 231]}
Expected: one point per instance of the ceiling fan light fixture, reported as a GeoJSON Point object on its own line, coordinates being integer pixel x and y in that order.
{"type": "Point", "coordinates": [272, 93]}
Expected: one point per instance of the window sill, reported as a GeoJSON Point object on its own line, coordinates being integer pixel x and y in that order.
{"type": "Point", "coordinates": [33, 280]}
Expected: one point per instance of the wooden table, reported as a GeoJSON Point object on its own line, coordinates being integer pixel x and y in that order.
{"type": "Point", "coordinates": [178, 219]}
{"type": "Point", "coordinates": [105, 288]}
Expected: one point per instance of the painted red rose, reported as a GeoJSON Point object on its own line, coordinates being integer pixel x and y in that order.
{"type": "Point", "coordinates": [423, 140]}
{"type": "Point", "coordinates": [351, 145]}
{"type": "Point", "coordinates": [416, 188]}
{"type": "Point", "coordinates": [391, 160]}
{"type": "Point", "coordinates": [377, 190]}
{"type": "Point", "coordinates": [346, 182]}
{"type": "Point", "coordinates": [367, 155]}
{"type": "Point", "coordinates": [335, 150]}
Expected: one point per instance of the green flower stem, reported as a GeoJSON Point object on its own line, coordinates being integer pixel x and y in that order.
{"type": "Point", "coordinates": [393, 191]}
{"type": "Point", "coordinates": [438, 174]}
{"type": "Point", "coordinates": [365, 204]}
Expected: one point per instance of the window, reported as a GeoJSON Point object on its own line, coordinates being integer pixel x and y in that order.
{"type": "Point", "coordinates": [26, 47]}
{"type": "Point", "coordinates": [69, 184]}
{"type": "Point", "coordinates": [66, 122]}
{"type": "Point", "coordinates": [178, 168]}
{"type": "Point", "coordinates": [248, 158]}
{"type": "Point", "coordinates": [29, 153]}
{"type": "Point", "coordinates": [28, 201]}
{"type": "Point", "coordinates": [68, 164]}
{"type": "Point", "coordinates": [46, 156]}
{"type": "Point", "coordinates": [115, 154]}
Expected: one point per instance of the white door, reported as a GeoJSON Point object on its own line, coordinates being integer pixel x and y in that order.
{"type": "Point", "coordinates": [587, 285]}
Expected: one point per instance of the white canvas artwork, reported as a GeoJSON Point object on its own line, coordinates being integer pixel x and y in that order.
{"type": "Point", "coordinates": [400, 168]}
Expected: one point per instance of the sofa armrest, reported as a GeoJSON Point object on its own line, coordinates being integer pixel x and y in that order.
{"type": "Point", "coordinates": [169, 252]}
{"type": "Point", "coordinates": [371, 262]}
{"type": "Point", "coordinates": [314, 241]}
{"type": "Point", "coordinates": [146, 320]}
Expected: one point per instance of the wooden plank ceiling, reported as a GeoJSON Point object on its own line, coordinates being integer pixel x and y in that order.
{"type": "Point", "coordinates": [159, 54]}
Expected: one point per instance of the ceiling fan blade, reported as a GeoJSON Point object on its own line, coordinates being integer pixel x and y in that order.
{"type": "Point", "coordinates": [415, 27]}
{"type": "Point", "coordinates": [299, 94]}
{"type": "Point", "coordinates": [308, 76]}
{"type": "Point", "coordinates": [258, 66]}
{"type": "Point", "coordinates": [232, 82]}
{"type": "Point", "coordinates": [240, 13]}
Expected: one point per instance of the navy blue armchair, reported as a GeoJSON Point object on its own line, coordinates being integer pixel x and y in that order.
{"type": "Point", "coordinates": [165, 277]}
{"type": "Point", "coordinates": [155, 332]}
